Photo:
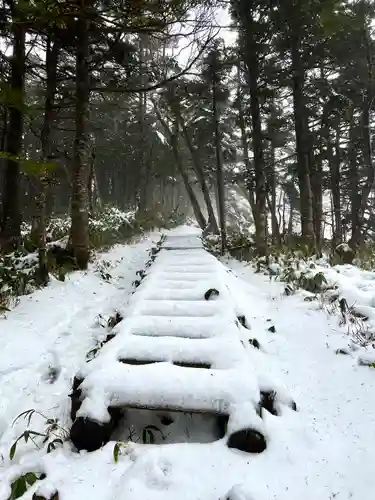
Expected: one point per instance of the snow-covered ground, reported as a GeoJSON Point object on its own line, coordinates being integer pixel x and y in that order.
{"type": "Point", "coordinates": [342, 282]}
{"type": "Point", "coordinates": [324, 451]}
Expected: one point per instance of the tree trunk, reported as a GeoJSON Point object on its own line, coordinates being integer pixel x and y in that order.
{"type": "Point", "coordinates": [361, 203]}
{"type": "Point", "coordinates": [79, 201]}
{"type": "Point", "coordinates": [219, 167]}
{"type": "Point", "coordinates": [245, 150]}
{"type": "Point", "coordinates": [290, 222]}
{"type": "Point", "coordinates": [90, 189]}
{"type": "Point", "coordinates": [4, 119]}
{"type": "Point", "coordinates": [316, 187]}
{"type": "Point", "coordinates": [355, 195]}
{"type": "Point", "coordinates": [250, 50]}
{"type": "Point", "coordinates": [213, 226]}
{"type": "Point", "coordinates": [173, 141]}
{"type": "Point", "coordinates": [190, 192]}
{"type": "Point", "coordinates": [335, 188]}
{"type": "Point", "coordinates": [42, 181]}
{"type": "Point", "coordinates": [11, 214]}
{"type": "Point", "coordinates": [361, 200]}
{"type": "Point", "coordinates": [272, 203]}
{"type": "Point", "coordinates": [303, 143]}
{"type": "Point", "coordinates": [143, 164]}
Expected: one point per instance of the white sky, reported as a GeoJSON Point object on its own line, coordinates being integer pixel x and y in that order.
{"type": "Point", "coordinates": [185, 51]}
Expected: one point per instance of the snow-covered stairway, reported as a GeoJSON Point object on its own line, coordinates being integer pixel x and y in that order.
{"type": "Point", "coordinates": [178, 350]}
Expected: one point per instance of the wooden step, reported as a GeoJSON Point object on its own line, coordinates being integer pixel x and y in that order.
{"type": "Point", "coordinates": [179, 308]}
{"type": "Point", "coordinates": [182, 364]}
{"type": "Point", "coordinates": [164, 385]}
{"type": "Point", "coordinates": [186, 327]}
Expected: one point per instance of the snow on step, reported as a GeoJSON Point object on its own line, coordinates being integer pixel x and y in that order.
{"type": "Point", "coordinates": [159, 280]}
{"type": "Point", "coordinates": [219, 352]}
{"type": "Point", "coordinates": [182, 268]}
{"type": "Point", "coordinates": [197, 256]}
{"type": "Point", "coordinates": [193, 293]}
{"type": "Point", "coordinates": [181, 276]}
{"type": "Point", "coordinates": [188, 242]}
{"type": "Point", "coordinates": [163, 385]}
{"type": "Point", "coordinates": [168, 284]}
{"type": "Point", "coordinates": [188, 327]}
{"type": "Point", "coordinates": [179, 308]}
{"type": "Point", "coordinates": [175, 259]}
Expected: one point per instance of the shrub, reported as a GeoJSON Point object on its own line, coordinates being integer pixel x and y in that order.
{"type": "Point", "coordinates": [18, 271]}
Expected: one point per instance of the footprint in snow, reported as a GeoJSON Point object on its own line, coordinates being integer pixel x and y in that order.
{"type": "Point", "coordinates": [157, 473]}
{"type": "Point", "coordinates": [51, 372]}
{"type": "Point", "coordinates": [238, 492]}
{"type": "Point", "coordinates": [147, 469]}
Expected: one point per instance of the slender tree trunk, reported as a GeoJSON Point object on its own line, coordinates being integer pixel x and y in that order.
{"type": "Point", "coordinates": [335, 188]}
{"type": "Point", "coordinates": [366, 144]}
{"type": "Point", "coordinates": [219, 167]}
{"type": "Point", "coordinates": [189, 190]}
{"type": "Point", "coordinates": [251, 58]}
{"type": "Point", "coordinates": [332, 155]}
{"type": "Point", "coordinates": [2, 160]}
{"type": "Point", "coordinates": [303, 143]}
{"type": "Point", "coordinates": [79, 201]}
{"type": "Point", "coordinates": [290, 222]}
{"type": "Point", "coordinates": [173, 141]}
{"type": "Point", "coordinates": [213, 226]}
{"type": "Point", "coordinates": [11, 213]}
{"type": "Point", "coordinates": [281, 213]}
{"type": "Point", "coordinates": [143, 166]}
{"type": "Point", "coordinates": [4, 119]}
{"type": "Point", "coordinates": [355, 195]}
{"type": "Point", "coordinates": [90, 187]}
{"type": "Point", "coordinates": [42, 181]}
{"type": "Point", "coordinates": [97, 200]}
{"type": "Point", "coordinates": [370, 171]}
{"type": "Point", "coordinates": [272, 203]}
{"type": "Point", "coordinates": [245, 150]}
{"type": "Point", "coordinates": [259, 165]}
{"type": "Point", "coordinates": [316, 187]}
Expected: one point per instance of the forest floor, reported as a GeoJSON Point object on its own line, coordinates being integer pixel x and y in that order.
{"type": "Point", "coordinates": [324, 451]}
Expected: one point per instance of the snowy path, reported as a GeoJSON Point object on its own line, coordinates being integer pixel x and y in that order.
{"type": "Point", "coordinates": [324, 451]}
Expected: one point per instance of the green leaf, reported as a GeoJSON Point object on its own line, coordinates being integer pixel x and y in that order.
{"type": "Point", "coordinates": [34, 433]}
{"type": "Point", "coordinates": [151, 436]}
{"type": "Point", "coordinates": [19, 487]}
{"type": "Point", "coordinates": [52, 445]}
{"type": "Point", "coordinates": [153, 428]}
{"type": "Point", "coordinates": [12, 450]}
{"type": "Point", "coordinates": [30, 478]}
{"type": "Point", "coordinates": [116, 452]}
{"type": "Point", "coordinates": [148, 434]}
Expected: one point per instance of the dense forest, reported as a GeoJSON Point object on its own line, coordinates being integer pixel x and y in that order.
{"type": "Point", "coordinates": [145, 105]}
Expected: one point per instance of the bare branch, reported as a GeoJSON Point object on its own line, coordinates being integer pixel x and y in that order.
{"type": "Point", "coordinates": [161, 83]}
